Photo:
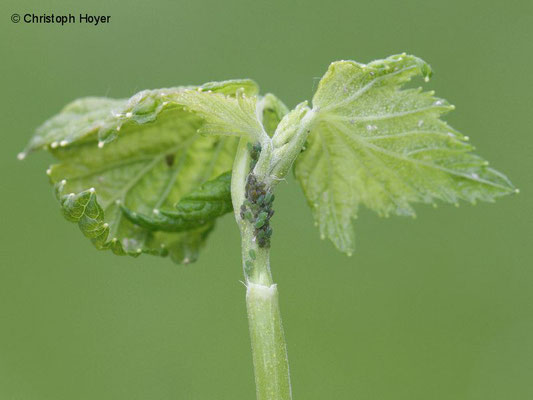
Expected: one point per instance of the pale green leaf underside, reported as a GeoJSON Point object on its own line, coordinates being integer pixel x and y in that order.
{"type": "Point", "coordinates": [145, 154]}
{"type": "Point", "coordinates": [386, 148]}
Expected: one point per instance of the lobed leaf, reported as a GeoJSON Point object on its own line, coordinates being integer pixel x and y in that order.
{"type": "Point", "coordinates": [376, 144]}
{"type": "Point", "coordinates": [141, 155]}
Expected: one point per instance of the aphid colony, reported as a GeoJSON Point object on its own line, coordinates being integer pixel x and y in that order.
{"type": "Point", "coordinates": [257, 207]}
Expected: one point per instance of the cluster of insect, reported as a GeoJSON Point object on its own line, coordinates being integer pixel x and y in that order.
{"type": "Point", "coordinates": [257, 206]}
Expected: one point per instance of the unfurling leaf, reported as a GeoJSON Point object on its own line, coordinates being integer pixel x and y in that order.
{"type": "Point", "coordinates": [273, 110]}
{"type": "Point", "coordinates": [143, 154]}
{"type": "Point", "coordinates": [375, 144]}
{"type": "Point", "coordinates": [210, 201]}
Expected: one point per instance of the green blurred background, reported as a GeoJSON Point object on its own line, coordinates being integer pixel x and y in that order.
{"type": "Point", "coordinates": [440, 307]}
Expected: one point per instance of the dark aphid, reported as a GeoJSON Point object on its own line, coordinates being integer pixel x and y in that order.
{"type": "Point", "coordinates": [270, 213]}
{"type": "Point", "coordinates": [262, 239]}
{"type": "Point", "coordinates": [169, 159]}
{"type": "Point", "coordinates": [261, 199]}
{"type": "Point", "coordinates": [261, 235]}
{"type": "Point", "coordinates": [254, 153]}
{"type": "Point", "coordinates": [268, 232]}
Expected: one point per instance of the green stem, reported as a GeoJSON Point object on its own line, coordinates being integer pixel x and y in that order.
{"type": "Point", "coordinates": [271, 364]}
{"type": "Point", "coordinates": [269, 351]}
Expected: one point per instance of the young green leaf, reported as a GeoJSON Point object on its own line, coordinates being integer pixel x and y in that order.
{"type": "Point", "coordinates": [375, 144]}
{"type": "Point", "coordinates": [157, 159]}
